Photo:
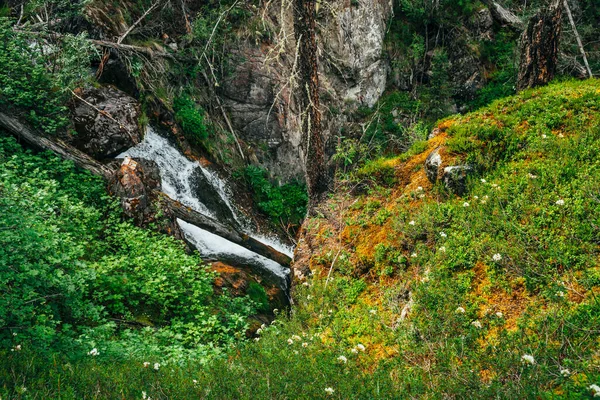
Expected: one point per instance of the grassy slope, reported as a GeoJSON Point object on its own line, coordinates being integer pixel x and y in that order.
{"type": "Point", "coordinates": [540, 298]}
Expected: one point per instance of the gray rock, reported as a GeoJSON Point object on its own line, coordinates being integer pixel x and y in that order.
{"type": "Point", "coordinates": [108, 125]}
{"type": "Point", "coordinates": [432, 165]}
{"type": "Point", "coordinates": [455, 178]}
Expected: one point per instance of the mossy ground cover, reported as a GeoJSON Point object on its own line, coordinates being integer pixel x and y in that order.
{"type": "Point", "coordinates": [416, 293]}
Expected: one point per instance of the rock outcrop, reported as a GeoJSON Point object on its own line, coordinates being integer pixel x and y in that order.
{"type": "Point", "coordinates": [106, 121]}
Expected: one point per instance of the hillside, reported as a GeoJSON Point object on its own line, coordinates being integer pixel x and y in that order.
{"type": "Point", "coordinates": [404, 290]}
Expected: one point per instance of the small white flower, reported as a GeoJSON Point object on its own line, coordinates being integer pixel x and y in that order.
{"type": "Point", "coordinates": [305, 283]}
{"type": "Point", "coordinates": [308, 297]}
{"type": "Point", "coordinates": [476, 324]}
{"type": "Point", "coordinates": [443, 249]}
{"type": "Point", "coordinates": [342, 359]}
{"type": "Point", "coordinates": [259, 331]}
{"type": "Point", "coordinates": [275, 311]}
{"type": "Point", "coordinates": [560, 135]}
{"type": "Point", "coordinates": [560, 202]}
{"type": "Point", "coordinates": [442, 234]}
{"type": "Point", "coordinates": [354, 350]}
{"type": "Point", "coordinates": [296, 352]}
{"type": "Point", "coordinates": [596, 389]}
{"type": "Point", "coordinates": [565, 372]}
{"type": "Point", "coordinates": [256, 339]}
{"type": "Point", "coordinates": [146, 364]}
{"type": "Point", "coordinates": [560, 293]}
{"type": "Point", "coordinates": [497, 257]}
{"type": "Point", "coordinates": [296, 337]}
{"type": "Point", "coordinates": [373, 311]}
{"type": "Point", "coordinates": [422, 196]}
{"type": "Point", "coordinates": [156, 366]}
{"type": "Point", "coordinates": [16, 348]}
{"type": "Point", "coordinates": [420, 189]}
{"type": "Point", "coordinates": [330, 311]}
{"type": "Point", "coordinates": [329, 390]}
{"type": "Point", "coordinates": [14, 333]}
{"type": "Point", "coordinates": [93, 352]}
{"type": "Point", "coordinates": [483, 181]}
{"type": "Point", "coordinates": [544, 136]}
{"type": "Point", "coordinates": [413, 255]}
{"type": "Point", "coordinates": [304, 344]}
{"type": "Point", "coordinates": [466, 204]}
{"type": "Point", "coordinates": [290, 341]}
{"type": "Point", "coordinates": [144, 395]}
{"type": "Point", "coordinates": [361, 347]}
{"type": "Point", "coordinates": [528, 359]}
{"type": "Point", "coordinates": [412, 222]}
{"type": "Point", "coordinates": [499, 315]}
{"type": "Point", "coordinates": [476, 197]}
{"type": "Point", "coordinates": [460, 310]}
{"type": "Point", "coordinates": [531, 176]}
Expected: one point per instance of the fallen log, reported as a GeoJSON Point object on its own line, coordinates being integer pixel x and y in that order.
{"type": "Point", "coordinates": [503, 16]}
{"type": "Point", "coordinates": [108, 172]}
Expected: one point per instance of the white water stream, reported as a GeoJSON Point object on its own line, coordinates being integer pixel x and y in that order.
{"type": "Point", "coordinates": [204, 191]}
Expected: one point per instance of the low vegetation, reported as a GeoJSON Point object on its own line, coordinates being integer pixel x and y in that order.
{"type": "Point", "coordinates": [416, 292]}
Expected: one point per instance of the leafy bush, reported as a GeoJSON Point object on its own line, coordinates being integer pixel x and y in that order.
{"type": "Point", "coordinates": [36, 74]}
{"type": "Point", "coordinates": [191, 118]}
{"type": "Point", "coordinates": [75, 276]}
{"type": "Point", "coordinates": [285, 204]}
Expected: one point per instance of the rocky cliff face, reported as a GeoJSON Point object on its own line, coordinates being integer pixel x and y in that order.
{"type": "Point", "coordinates": [353, 72]}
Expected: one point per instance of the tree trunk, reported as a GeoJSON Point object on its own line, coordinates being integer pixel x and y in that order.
{"type": "Point", "coordinates": [539, 47]}
{"type": "Point", "coordinates": [109, 173]}
{"type": "Point", "coordinates": [581, 49]}
{"type": "Point", "coordinates": [308, 87]}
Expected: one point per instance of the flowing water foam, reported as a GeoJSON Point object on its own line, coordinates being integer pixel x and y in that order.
{"type": "Point", "coordinates": [180, 178]}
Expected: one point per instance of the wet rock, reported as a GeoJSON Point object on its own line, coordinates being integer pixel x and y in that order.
{"type": "Point", "coordinates": [432, 165]}
{"type": "Point", "coordinates": [106, 121]}
{"type": "Point", "coordinates": [455, 178]}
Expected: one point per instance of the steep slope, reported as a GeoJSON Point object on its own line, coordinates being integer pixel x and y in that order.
{"type": "Point", "coordinates": [404, 290]}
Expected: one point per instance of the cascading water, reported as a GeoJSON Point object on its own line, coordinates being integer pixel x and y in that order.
{"type": "Point", "coordinates": [205, 192]}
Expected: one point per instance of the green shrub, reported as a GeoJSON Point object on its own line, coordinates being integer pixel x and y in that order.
{"type": "Point", "coordinates": [285, 204]}
{"type": "Point", "coordinates": [191, 119]}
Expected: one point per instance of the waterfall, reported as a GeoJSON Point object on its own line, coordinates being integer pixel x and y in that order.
{"type": "Point", "coordinates": [204, 191]}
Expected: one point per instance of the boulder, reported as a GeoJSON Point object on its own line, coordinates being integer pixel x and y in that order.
{"type": "Point", "coordinates": [455, 178]}
{"type": "Point", "coordinates": [106, 121]}
{"type": "Point", "coordinates": [432, 165]}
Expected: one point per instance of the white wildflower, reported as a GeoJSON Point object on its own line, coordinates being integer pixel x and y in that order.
{"type": "Point", "coordinates": [483, 181]}
{"type": "Point", "coordinates": [495, 185]}
{"type": "Point", "coordinates": [146, 364]}
{"type": "Point", "coordinates": [460, 310]}
{"type": "Point", "coordinates": [342, 359]}
{"type": "Point", "coordinates": [156, 366]}
{"type": "Point", "coordinates": [420, 189]}
{"type": "Point", "coordinates": [466, 204]}
{"type": "Point", "coordinates": [93, 352]}
{"type": "Point", "coordinates": [596, 389]}
{"type": "Point", "coordinates": [305, 283]}
{"type": "Point", "coordinates": [296, 337]}
{"type": "Point", "coordinates": [361, 347]}
{"type": "Point", "coordinates": [422, 196]}
{"type": "Point", "coordinates": [531, 176]}
{"type": "Point", "coordinates": [560, 293]}
{"type": "Point", "coordinates": [290, 341]}
{"type": "Point", "coordinates": [560, 202]}
{"type": "Point", "coordinates": [528, 359]}
{"type": "Point", "coordinates": [296, 352]}
{"type": "Point", "coordinates": [499, 315]}
{"type": "Point", "coordinates": [442, 234]}
{"type": "Point", "coordinates": [497, 257]}
{"type": "Point", "coordinates": [16, 348]}
{"type": "Point", "coordinates": [330, 311]}
{"type": "Point", "coordinates": [560, 135]}
{"type": "Point", "coordinates": [275, 311]}
{"type": "Point", "coordinates": [329, 390]}
{"type": "Point", "coordinates": [354, 350]}
{"type": "Point", "coordinates": [476, 197]}
{"type": "Point", "coordinates": [443, 249]}
{"type": "Point", "coordinates": [476, 324]}
{"type": "Point", "coordinates": [412, 222]}
{"type": "Point", "coordinates": [144, 395]}
{"type": "Point", "coordinates": [259, 331]}
{"type": "Point", "coordinates": [256, 339]}
{"type": "Point", "coordinates": [373, 311]}
{"type": "Point", "coordinates": [565, 372]}
{"type": "Point", "coordinates": [308, 297]}
{"type": "Point", "coordinates": [14, 333]}
{"type": "Point", "coordinates": [304, 344]}
{"type": "Point", "coordinates": [544, 136]}
{"type": "Point", "coordinates": [413, 255]}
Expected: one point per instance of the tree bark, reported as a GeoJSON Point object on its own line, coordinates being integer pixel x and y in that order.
{"type": "Point", "coordinates": [109, 172]}
{"type": "Point", "coordinates": [579, 44]}
{"type": "Point", "coordinates": [503, 16]}
{"type": "Point", "coordinates": [308, 87]}
{"type": "Point", "coordinates": [539, 47]}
